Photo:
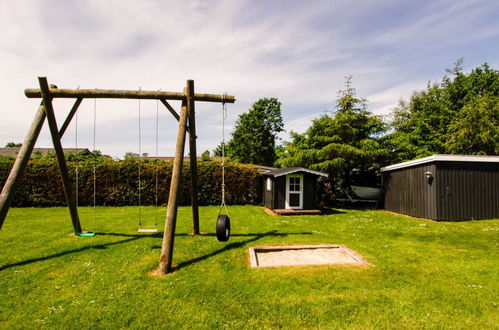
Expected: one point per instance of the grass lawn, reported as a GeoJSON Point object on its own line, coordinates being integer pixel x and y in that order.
{"type": "Point", "coordinates": [424, 274]}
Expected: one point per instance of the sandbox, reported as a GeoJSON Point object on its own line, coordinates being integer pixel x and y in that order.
{"type": "Point", "coordinates": [303, 255]}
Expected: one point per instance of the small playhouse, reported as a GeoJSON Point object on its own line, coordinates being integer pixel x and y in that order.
{"type": "Point", "coordinates": [444, 187]}
{"type": "Point", "coordinates": [291, 188]}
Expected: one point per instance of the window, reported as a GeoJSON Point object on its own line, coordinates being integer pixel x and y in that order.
{"type": "Point", "coordinates": [269, 184]}
{"type": "Point", "coordinates": [294, 191]}
{"type": "Point", "coordinates": [294, 184]}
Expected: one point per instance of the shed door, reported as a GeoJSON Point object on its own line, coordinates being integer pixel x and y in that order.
{"type": "Point", "coordinates": [294, 191]}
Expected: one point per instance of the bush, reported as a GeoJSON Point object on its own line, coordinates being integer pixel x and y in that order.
{"type": "Point", "coordinates": [117, 182]}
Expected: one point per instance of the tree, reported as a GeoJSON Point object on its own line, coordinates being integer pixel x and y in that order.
{"type": "Point", "coordinates": [205, 156]}
{"type": "Point", "coordinates": [13, 145]}
{"type": "Point", "coordinates": [217, 152]}
{"type": "Point", "coordinates": [255, 135]}
{"type": "Point", "coordinates": [131, 155]}
{"type": "Point", "coordinates": [476, 128]}
{"type": "Point", "coordinates": [457, 115]}
{"type": "Point", "coordinates": [345, 144]}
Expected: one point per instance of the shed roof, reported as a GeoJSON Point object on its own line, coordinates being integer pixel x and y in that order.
{"type": "Point", "coordinates": [442, 158]}
{"type": "Point", "coordinates": [291, 170]}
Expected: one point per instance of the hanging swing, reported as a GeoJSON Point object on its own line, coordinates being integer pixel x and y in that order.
{"type": "Point", "coordinates": [223, 220]}
{"type": "Point", "coordinates": [85, 234]}
{"type": "Point", "coordinates": [155, 229]}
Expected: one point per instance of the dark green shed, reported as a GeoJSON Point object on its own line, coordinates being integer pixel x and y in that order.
{"type": "Point", "coordinates": [291, 188]}
{"type": "Point", "coordinates": [444, 187]}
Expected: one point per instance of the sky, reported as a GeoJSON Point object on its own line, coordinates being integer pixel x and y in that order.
{"type": "Point", "coordinates": [296, 51]}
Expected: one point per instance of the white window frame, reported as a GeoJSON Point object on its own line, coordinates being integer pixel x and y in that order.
{"type": "Point", "coordinates": [300, 206]}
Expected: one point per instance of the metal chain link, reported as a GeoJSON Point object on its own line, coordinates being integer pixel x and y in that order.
{"type": "Point", "coordinates": [224, 117]}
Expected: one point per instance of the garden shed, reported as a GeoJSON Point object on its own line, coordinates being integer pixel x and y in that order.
{"type": "Point", "coordinates": [291, 188]}
{"type": "Point", "coordinates": [444, 187]}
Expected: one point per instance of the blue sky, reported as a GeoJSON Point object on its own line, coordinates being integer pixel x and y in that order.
{"type": "Point", "coordinates": [297, 51]}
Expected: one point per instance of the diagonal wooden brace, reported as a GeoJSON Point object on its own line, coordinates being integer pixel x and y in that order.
{"type": "Point", "coordinates": [59, 152]}
{"type": "Point", "coordinates": [20, 164]}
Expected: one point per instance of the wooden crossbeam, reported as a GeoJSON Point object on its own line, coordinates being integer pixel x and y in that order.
{"type": "Point", "coordinates": [126, 94]}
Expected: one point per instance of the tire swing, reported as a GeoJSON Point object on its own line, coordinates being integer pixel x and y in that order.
{"type": "Point", "coordinates": [223, 220]}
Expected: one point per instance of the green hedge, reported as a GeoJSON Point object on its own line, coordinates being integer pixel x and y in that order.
{"type": "Point", "coordinates": [117, 183]}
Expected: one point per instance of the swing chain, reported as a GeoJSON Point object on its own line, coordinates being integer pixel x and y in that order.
{"type": "Point", "coordinates": [156, 167]}
{"type": "Point", "coordinates": [138, 161]}
{"type": "Point", "coordinates": [76, 157]}
{"type": "Point", "coordinates": [94, 163]}
{"type": "Point", "coordinates": [224, 117]}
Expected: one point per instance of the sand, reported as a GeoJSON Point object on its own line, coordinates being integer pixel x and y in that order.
{"type": "Point", "coordinates": [303, 256]}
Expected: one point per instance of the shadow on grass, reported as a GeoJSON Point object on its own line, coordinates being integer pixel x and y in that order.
{"type": "Point", "coordinates": [133, 237]}
{"type": "Point", "coordinates": [145, 235]}
{"type": "Point", "coordinates": [57, 255]}
{"type": "Point", "coordinates": [270, 233]}
{"type": "Point", "coordinates": [231, 246]}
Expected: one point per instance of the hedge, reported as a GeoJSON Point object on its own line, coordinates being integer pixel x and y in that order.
{"type": "Point", "coordinates": [117, 183]}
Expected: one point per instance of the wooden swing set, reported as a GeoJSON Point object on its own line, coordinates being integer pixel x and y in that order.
{"type": "Point", "coordinates": [186, 123]}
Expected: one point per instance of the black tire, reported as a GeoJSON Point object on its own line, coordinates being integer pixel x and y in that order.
{"type": "Point", "coordinates": [223, 228]}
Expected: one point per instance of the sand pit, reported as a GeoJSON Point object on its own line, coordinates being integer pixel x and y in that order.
{"type": "Point", "coordinates": [303, 255]}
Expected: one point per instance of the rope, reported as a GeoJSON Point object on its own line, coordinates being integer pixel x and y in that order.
{"type": "Point", "coordinates": [157, 168]}
{"type": "Point", "coordinates": [76, 155]}
{"type": "Point", "coordinates": [224, 117]}
{"type": "Point", "coordinates": [94, 163]}
{"type": "Point", "coordinates": [140, 182]}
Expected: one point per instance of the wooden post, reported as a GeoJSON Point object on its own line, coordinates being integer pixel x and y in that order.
{"type": "Point", "coordinates": [22, 159]}
{"type": "Point", "coordinates": [193, 157]}
{"type": "Point", "coordinates": [165, 261]}
{"type": "Point", "coordinates": [63, 169]}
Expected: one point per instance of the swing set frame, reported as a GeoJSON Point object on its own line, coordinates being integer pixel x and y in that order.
{"type": "Point", "coordinates": [186, 123]}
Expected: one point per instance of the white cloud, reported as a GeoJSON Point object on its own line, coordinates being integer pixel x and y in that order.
{"type": "Point", "coordinates": [296, 51]}
{"type": "Point", "coordinates": [383, 102]}
{"type": "Point", "coordinates": [301, 124]}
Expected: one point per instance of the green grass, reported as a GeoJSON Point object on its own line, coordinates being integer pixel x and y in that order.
{"type": "Point", "coordinates": [425, 274]}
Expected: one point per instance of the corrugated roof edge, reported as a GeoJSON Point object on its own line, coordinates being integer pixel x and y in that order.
{"type": "Point", "coordinates": [442, 158]}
